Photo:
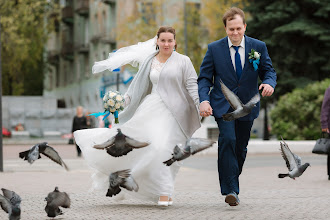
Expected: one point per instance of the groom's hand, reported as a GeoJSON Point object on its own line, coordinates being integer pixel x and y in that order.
{"type": "Point", "coordinates": [267, 90]}
{"type": "Point", "coordinates": [205, 109]}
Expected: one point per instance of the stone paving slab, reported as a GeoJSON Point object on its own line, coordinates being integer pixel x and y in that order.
{"type": "Point", "coordinates": [197, 196]}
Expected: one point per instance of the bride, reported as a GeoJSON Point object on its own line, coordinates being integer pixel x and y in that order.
{"type": "Point", "coordinates": [161, 108]}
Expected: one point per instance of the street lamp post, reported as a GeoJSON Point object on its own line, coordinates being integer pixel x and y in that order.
{"type": "Point", "coordinates": [185, 28]}
{"type": "Point", "coordinates": [1, 154]}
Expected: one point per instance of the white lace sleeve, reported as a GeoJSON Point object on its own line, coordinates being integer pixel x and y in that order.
{"type": "Point", "coordinates": [133, 55]}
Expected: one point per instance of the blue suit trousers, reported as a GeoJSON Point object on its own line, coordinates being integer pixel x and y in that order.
{"type": "Point", "coordinates": [232, 148]}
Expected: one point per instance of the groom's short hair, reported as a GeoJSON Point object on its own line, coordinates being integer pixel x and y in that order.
{"type": "Point", "coordinates": [230, 14]}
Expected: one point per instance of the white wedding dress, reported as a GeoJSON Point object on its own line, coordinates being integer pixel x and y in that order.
{"type": "Point", "coordinates": [152, 122]}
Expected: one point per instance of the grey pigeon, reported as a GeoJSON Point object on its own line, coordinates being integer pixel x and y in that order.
{"type": "Point", "coordinates": [120, 144]}
{"type": "Point", "coordinates": [34, 154]}
{"type": "Point", "coordinates": [119, 179]}
{"type": "Point", "coordinates": [11, 203]}
{"type": "Point", "coordinates": [293, 162]}
{"type": "Point", "coordinates": [55, 200]}
{"type": "Point", "coordinates": [240, 110]}
{"type": "Point", "coordinates": [192, 146]}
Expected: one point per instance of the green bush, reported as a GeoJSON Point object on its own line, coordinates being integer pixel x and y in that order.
{"type": "Point", "coordinates": [296, 115]}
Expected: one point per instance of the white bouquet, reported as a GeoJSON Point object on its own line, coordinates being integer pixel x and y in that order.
{"type": "Point", "coordinates": [113, 102]}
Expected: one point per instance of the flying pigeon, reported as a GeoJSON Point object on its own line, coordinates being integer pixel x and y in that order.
{"type": "Point", "coordinates": [55, 200]}
{"type": "Point", "coordinates": [10, 202]}
{"type": "Point", "coordinates": [34, 154]}
{"type": "Point", "coordinates": [119, 179]}
{"type": "Point", "coordinates": [192, 146]}
{"type": "Point", "coordinates": [293, 162]}
{"type": "Point", "coordinates": [120, 144]}
{"type": "Point", "coordinates": [240, 110]}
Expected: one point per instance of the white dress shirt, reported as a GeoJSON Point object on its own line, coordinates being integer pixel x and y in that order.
{"type": "Point", "coordinates": [241, 51]}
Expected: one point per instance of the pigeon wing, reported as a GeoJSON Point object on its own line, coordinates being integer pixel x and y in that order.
{"type": "Point", "coordinates": [297, 159]}
{"type": "Point", "coordinates": [231, 97]}
{"type": "Point", "coordinates": [13, 197]}
{"type": "Point", "coordinates": [5, 204]}
{"type": "Point", "coordinates": [288, 156]}
{"type": "Point", "coordinates": [52, 154]}
{"type": "Point", "coordinates": [107, 144]}
{"type": "Point", "coordinates": [254, 100]}
{"type": "Point", "coordinates": [60, 199]}
{"type": "Point", "coordinates": [177, 150]}
{"type": "Point", "coordinates": [117, 178]}
{"type": "Point", "coordinates": [123, 173]}
{"type": "Point", "coordinates": [130, 184]}
{"type": "Point", "coordinates": [198, 144]}
{"type": "Point", "coordinates": [134, 143]}
{"type": "Point", "coordinates": [24, 154]}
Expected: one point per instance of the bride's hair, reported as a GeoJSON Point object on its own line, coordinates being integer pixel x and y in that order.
{"type": "Point", "coordinates": [166, 29]}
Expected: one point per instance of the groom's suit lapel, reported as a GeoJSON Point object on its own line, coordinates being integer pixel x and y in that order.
{"type": "Point", "coordinates": [227, 57]}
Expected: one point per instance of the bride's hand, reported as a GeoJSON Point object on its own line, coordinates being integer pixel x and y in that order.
{"type": "Point", "coordinates": [127, 100]}
{"type": "Point", "coordinates": [205, 109]}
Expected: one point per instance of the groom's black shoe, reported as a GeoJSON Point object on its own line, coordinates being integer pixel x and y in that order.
{"type": "Point", "coordinates": [232, 199]}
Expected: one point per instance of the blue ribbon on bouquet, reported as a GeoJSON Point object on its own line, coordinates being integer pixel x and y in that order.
{"type": "Point", "coordinates": [105, 113]}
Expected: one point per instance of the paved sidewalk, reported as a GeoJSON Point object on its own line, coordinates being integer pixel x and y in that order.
{"type": "Point", "coordinates": [263, 195]}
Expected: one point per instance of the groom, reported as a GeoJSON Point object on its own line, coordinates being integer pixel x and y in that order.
{"type": "Point", "coordinates": [228, 59]}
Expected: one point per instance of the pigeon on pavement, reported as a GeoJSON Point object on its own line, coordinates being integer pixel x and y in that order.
{"type": "Point", "coordinates": [55, 200]}
{"type": "Point", "coordinates": [240, 110]}
{"type": "Point", "coordinates": [119, 179]}
{"type": "Point", "coordinates": [10, 202]}
{"type": "Point", "coordinates": [34, 154]}
{"type": "Point", "coordinates": [293, 162]}
{"type": "Point", "coordinates": [192, 146]}
{"type": "Point", "coordinates": [120, 145]}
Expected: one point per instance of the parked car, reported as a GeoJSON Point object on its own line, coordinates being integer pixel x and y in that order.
{"type": "Point", "coordinates": [6, 132]}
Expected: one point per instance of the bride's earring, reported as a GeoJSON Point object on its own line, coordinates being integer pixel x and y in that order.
{"type": "Point", "coordinates": [157, 47]}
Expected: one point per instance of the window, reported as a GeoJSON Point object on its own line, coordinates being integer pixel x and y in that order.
{"type": "Point", "coordinates": [61, 103]}
{"type": "Point", "coordinates": [147, 11]}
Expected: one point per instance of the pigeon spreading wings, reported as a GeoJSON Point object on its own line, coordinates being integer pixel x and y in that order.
{"type": "Point", "coordinates": [293, 162]}
{"type": "Point", "coordinates": [122, 179]}
{"type": "Point", "coordinates": [192, 146]}
{"type": "Point", "coordinates": [198, 144]}
{"type": "Point", "coordinates": [120, 145]}
{"type": "Point", "coordinates": [33, 154]}
{"type": "Point", "coordinates": [240, 110]}
{"type": "Point", "coordinates": [10, 203]}
{"type": "Point", "coordinates": [55, 200]}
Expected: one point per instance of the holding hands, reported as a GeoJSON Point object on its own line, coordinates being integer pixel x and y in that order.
{"type": "Point", "coordinates": [205, 109]}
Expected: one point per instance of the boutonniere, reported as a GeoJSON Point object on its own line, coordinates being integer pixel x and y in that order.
{"type": "Point", "coordinates": [254, 58]}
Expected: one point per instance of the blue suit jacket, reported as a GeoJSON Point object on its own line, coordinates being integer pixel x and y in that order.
{"type": "Point", "coordinates": [217, 65]}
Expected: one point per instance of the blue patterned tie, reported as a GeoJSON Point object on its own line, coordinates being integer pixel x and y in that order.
{"type": "Point", "coordinates": [238, 63]}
